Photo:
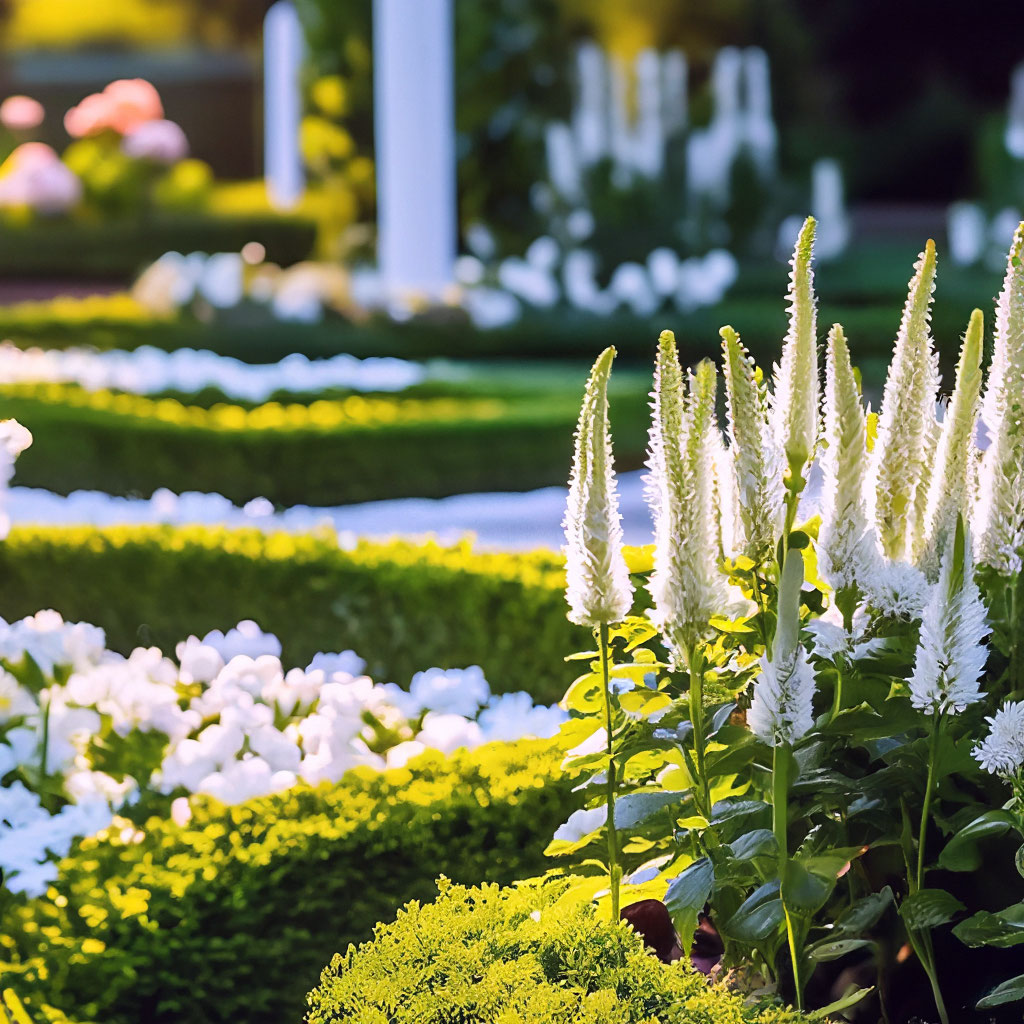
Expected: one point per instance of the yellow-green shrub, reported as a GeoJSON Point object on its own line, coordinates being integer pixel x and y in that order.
{"type": "Point", "coordinates": [231, 917]}
{"type": "Point", "coordinates": [502, 956]}
{"type": "Point", "coordinates": [403, 606]}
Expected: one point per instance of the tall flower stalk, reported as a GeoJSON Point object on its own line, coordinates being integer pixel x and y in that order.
{"type": "Point", "coordinates": [598, 589]}
{"type": "Point", "coordinates": [794, 405]}
{"type": "Point", "coordinates": [687, 587]}
{"type": "Point", "coordinates": [753, 451]}
{"type": "Point", "coordinates": [907, 427]}
{"type": "Point", "coordinates": [847, 549]}
{"type": "Point", "coordinates": [948, 489]}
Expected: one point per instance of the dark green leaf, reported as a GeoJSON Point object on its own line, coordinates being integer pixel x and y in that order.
{"type": "Point", "coordinates": [864, 913]}
{"type": "Point", "coordinates": [761, 842]}
{"type": "Point", "coordinates": [803, 891]}
{"type": "Point", "coordinates": [833, 949]}
{"type": "Point", "coordinates": [1008, 992]}
{"type": "Point", "coordinates": [986, 929]}
{"type": "Point", "coordinates": [928, 908]}
{"type": "Point", "coordinates": [961, 853]}
{"type": "Point", "coordinates": [758, 916]}
{"type": "Point", "coordinates": [633, 809]}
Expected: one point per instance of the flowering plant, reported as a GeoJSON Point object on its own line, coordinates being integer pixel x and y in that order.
{"type": "Point", "coordinates": [812, 732]}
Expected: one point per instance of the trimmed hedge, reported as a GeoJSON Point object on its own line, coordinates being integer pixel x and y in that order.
{"type": "Point", "coordinates": [536, 953]}
{"type": "Point", "coordinates": [119, 249]}
{"type": "Point", "coordinates": [323, 453]}
{"type": "Point", "coordinates": [402, 606]}
{"type": "Point", "coordinates": [231, 917]}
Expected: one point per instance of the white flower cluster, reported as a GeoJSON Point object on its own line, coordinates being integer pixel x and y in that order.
{"type": "Point", "coordinates": [225, 719]}
{"type": "Point", "coordinates": [1002, 751]}
{"type": "Point", "coordinates": [147, 370]}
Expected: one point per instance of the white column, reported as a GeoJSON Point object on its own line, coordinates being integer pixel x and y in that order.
{"type": "Point", "coordinates": [414, 123]}
{"type": "Point", "coordinates": [283, 47]}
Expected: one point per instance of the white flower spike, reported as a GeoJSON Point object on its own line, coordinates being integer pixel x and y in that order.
{"type": "Point", "coordinates": [951, 654]}
{"type": "Point", "coordinates": [998, 519]}
{"type": "Point", "coordinates": [907, 428]}
{"type": "Point", "coordinates": [948, 489]}
{"type": "Point", "coordinates": [1002, 751]}
{"type": "Point", "coordinates": [755, 456]}
{"type": "Point", "coordinates": [847, 549]}
{"type": "Point", "coordinates": [686, 584]}
{"type": "Point", "coordinates": [781, 710]}
{"type": "Point", "coordinates": [598, 588]}
{"type": "Point", "coordinates": [795, 398]}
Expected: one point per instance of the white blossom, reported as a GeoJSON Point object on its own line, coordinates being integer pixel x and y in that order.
{"type": "Point", "coordinates": [794, 405]}
{"type": "Point", "coordinates": [998, 518]}
{"type": "Point", "coordinates": [951, 655]}
{"type": "Point", "coordinates": [1002, 751]}
{"type": "Point", "coordinates": [598, 589]}
{"type": "Point", "coordinates": [907, 427]}
{"type": "Point", "coordinates": [686, 585]}
{"type": "Point", "coordinates": [847, 548]}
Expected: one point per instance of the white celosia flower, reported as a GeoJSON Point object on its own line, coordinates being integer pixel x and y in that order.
{"type": "Point", "coordinates": [831, 640]}
{"type": "Point", "coordinates": [686, 585]}
{"type": "Point", "coordinates": [998, 519]}
{"type": "Point", "coordinates": [897, 590]}
{"type": "Point", "coordinates": [756, 457]}
{"type": "Point", "coordinates": [598, 588]}
{"type": "Point", "coordinates": [1002, 751]}
{"type": "Point", "coordinates": [781, 710]}
{"type": "Point", "coordinates": [794, 405]}
{"type": "Point", "coordinates": [847, 549]}
{"type": "Point", "coordinates": [951, 656]}
{"type": "Point", "coordinates": [948, 489]}
{"type": "Point", "coordinates": [907, 427]}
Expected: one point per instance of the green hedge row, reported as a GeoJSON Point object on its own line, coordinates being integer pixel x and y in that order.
{"type": "Point", "coordinates": [402, 606]}
{"type": "Point", "coordinates": [326, 453]}
{"type": "Point", "coordinates": [231, 917]}
{"type": "Point", "coordinates": [119, 249]}
{"type": "Point", "coordinates": [538, 953]}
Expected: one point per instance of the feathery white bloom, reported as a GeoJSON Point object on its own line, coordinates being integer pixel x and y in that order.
{"type": "Point", "coordinates": [598, 588]}
{"type": "Point", "coordinates": [781, 710]}
{"type": "Point", "coordinates": [686, 584]}
{"type": "Point", "coordinates": [897, 590]}
{"type": "Point", "coordinates": [794, 405]}
{"type": "Point", "coordinates": [726, 514]}
{"type": "Point", "coordinates": [847, 549]}
{"type": "Point", "coordinates": [1002, 751]}
{"type": "Point", "coordinates": [947, 491]}
{"type": "Point", "coordinates": [998, 519]}
{"type": "Point", "coordinates": [756, 457]}
{"type": "Point", "coordinates": [907, 428]}
{"type": "Point", "coordinates": [950, 655]}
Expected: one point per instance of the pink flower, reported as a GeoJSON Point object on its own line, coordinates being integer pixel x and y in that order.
{"type": "Point", "coordinates": [122, 107]}
{"type": "Point", "coordinates": [34, 176]}
{"type": "Point", "coordinates": [21, 113]}
{"type": "Point", "coordinates": [160, 141]}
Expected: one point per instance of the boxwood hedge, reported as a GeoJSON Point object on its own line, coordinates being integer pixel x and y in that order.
{"type": "Point", "coordinates": [403, 606]}
{"type": "Point", "coordinates": [231, 917]}
{"type": "Point", "coordinates": [328, 452]}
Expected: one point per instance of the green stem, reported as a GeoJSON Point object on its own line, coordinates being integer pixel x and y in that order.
{"type": "Point", "coordinates": [614, 868]}
{"type": "Point", "coordinates": [837, 699]}
{"type": "Point", "coordinates": [1014, 613]}
{"type": "Point", "coordinates": [45, 745]}
{"type": "Point", "coordinates": [695, 664]}
{"type": "Point", "coordinates": [780, 820]}
{"type": "Point", "coordinates": [933, 751]}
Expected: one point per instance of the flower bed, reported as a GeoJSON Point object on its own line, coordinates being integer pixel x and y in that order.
{"type": "Point", "coordinates": [403, 605]}
{"type": "Point", "coordinates": [232, 915]}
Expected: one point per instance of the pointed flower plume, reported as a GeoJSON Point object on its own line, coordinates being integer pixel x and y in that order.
{"type": "Point", "coordinates": [598, 588]}
{"type": "Point", "coordinates": [795, 400]}
{"type": "Point", "coordinates": [686, 584]}
{"type": "Point", "coordinates": [847, 551]}
{"type": "Point", "coordinates": [781, 710]}
{"type": "Point", "coordinates": [998, 519]}
{"type": "Point", "coordinates": [756, 458]}
{"type": "Point", "coordinates": [951, 654]}
{"type": "Point", "coordinates": [907, 428]}
{"type": "Point", "coordinates": [1002, 751]}
{"type": "Point", "coordinates": [948, 488]}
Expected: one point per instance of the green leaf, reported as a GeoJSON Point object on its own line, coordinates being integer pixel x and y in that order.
{"type": "Point", "coordinates": [586, 695]}
{"type": "Point", "coordinates": [1008, 992]}
{"type": "Point", "coordinates": [761, 842]}
{"type": "Point", "coordinates": [758, 916]}
{"type": "Point", "coordinates": [864, 913]}
{"type": "Point", "coordinates": [833, 949]}
{"type": "Point", "coordinates": [961, 853]}
{"type": "Point", "coordinates": [1003, 929]}
{"type": "Point", "coordinates": [690, 889]}
{"type": "Point", "coordinates": [928, 908]}
{"type": "Point", "coordinates": [803, 891]}
{"type": "Point", "coordinates": [840, 1004]}
{"type": "Point", "coordinates": [635, 808]}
